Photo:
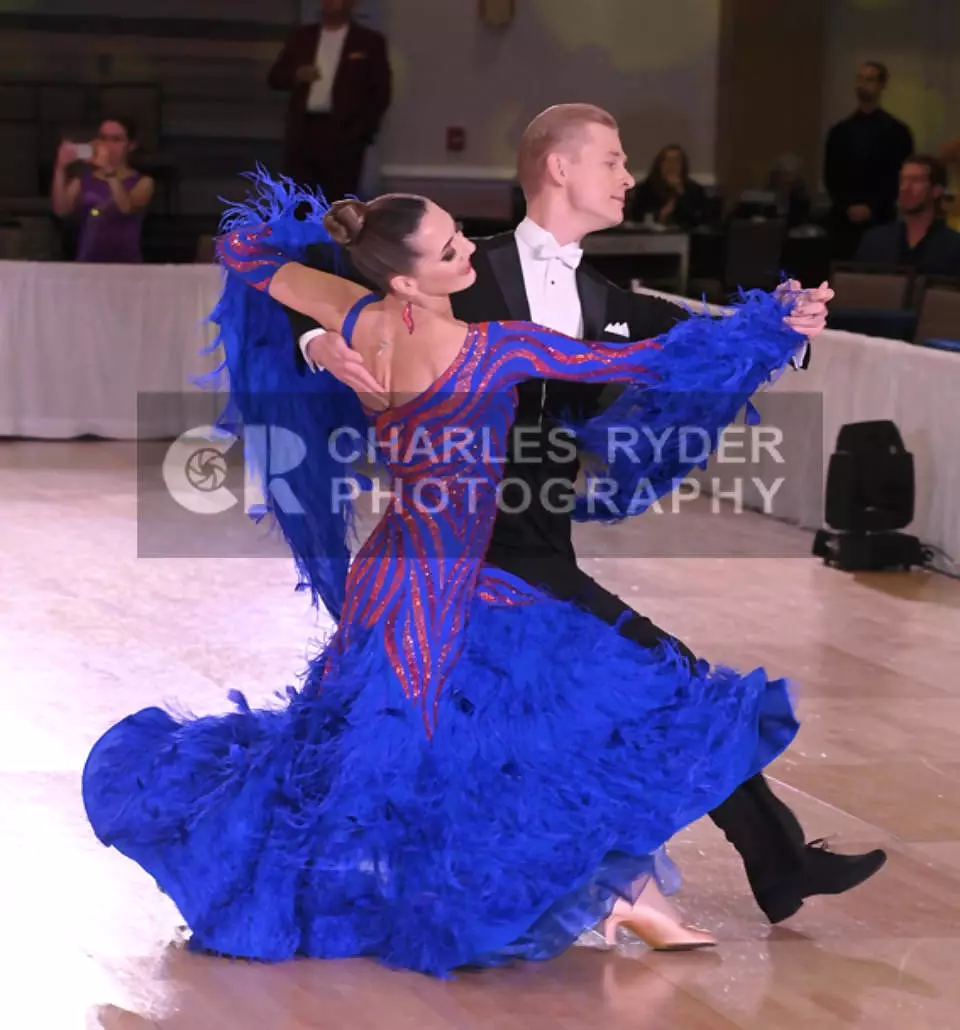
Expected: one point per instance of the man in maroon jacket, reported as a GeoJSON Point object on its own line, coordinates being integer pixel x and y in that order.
{"type": "Point", "coordinates": [338, 77]}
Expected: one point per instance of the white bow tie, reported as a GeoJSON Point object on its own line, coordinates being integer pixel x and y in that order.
{"type": "Point", "coordinates": [570, 254]}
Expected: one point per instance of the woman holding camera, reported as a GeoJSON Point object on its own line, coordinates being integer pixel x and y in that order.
{"type": "Point", "coordinates": [109, 195]}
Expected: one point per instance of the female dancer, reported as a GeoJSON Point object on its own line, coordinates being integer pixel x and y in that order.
{"type": "Point", "coordinates": [472, 771]}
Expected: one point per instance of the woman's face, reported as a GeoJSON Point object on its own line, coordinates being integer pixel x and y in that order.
{"type": "Point", "coordinates": [113, 138]}
{"type": "Point", "coordinates": [671, 167]}
{"type": "Point", "coordinates": [443, 265]}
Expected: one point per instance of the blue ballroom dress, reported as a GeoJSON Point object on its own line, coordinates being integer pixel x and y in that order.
{"type": "Point", "coordinates": [471, 772]}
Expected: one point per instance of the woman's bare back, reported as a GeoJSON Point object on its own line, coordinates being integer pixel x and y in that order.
{"type": "Point", "coordinates": [407, 364]}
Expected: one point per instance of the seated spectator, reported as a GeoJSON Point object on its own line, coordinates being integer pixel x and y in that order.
{"type": "Point", "coordinates": [108, 194]}
{"type": "Point", "coordinates": [668, 195]}
{"type": "Point", "coordinates": [919, 237]}
{"type": "Point", "coordinates": [792, 198]}
{"type": "Point", "coordinates": [949, 154]}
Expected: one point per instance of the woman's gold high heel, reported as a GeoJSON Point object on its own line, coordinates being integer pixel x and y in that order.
{"type": "Point", "coordinates": [656, 929]}
{"type": "Point", "coordinates": [652, 920]}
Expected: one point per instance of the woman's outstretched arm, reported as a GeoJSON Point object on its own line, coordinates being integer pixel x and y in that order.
{"type": "Point", "coordinates": [522, 350]}
{"type": "Point", "coordinates": [699, 352]}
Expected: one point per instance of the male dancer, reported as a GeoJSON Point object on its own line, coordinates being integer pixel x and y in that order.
{"type": "Point", "coordinates": [573, 172]}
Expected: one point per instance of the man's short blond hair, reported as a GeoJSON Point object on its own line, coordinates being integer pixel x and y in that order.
{"type": "Point", "coordinates": [557, 127]}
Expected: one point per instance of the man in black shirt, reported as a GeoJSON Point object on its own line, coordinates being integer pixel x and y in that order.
{"type": "Point", "coordinates": [919, 237]}
{"type": "Point", "coordinates": [864, 154]}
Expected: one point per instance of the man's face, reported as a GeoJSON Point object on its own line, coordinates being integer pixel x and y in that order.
{"type": "Point", "coordinates": [917, 193]}
{"type": "Point", "coordinates": [597, 179]}
{"type": "Point", "coordinates": [869, 86]}
{"type": "Point", "coordinates": [336, 9]}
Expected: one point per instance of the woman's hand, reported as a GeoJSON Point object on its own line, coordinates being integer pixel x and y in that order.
{"type": "Point", "coordinates": [809, 314]}
{"type": "Point", "coordinates": [101, 160]}
{"type": "Point", "coordinates": [66, 154]}
{"type": "Point", "coordinates": [64, 194]}
{"type": "Point", "coordinates": [675, 182]}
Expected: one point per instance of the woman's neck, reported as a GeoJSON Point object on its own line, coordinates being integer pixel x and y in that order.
{"type": "Point", "coordinates": [437, 306]}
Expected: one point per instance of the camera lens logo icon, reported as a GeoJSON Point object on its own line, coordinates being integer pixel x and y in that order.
{"type": "Point", "coordinates": [206, 469]}
{"type": "Point", "coordinates": [195, 471]}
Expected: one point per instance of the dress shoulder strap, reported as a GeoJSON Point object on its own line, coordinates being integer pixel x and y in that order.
{"type": "Point", "coordinates": [350, 322]}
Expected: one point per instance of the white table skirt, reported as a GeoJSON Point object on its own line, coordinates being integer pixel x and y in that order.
{"type": "Point", "coordinates": [854, 378]}
{"type": "Point", "coordinates": [80, 343]}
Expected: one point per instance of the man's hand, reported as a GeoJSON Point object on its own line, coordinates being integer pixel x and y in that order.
{"type": "Point", "coordinates": [331, 351]}
{"type": "Point", "coordinates": [809, 314]}
{"type": "Point", "coordinates": [859, 213]}
{"type": "Point", "coordinates": [307, 73]}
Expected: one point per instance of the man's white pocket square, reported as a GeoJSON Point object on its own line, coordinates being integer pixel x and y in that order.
{"type": "Point", "coordinates": [620, 328]}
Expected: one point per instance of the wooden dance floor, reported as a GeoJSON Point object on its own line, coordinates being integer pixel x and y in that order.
{"type": "Point", "coordinates": [90, 632]}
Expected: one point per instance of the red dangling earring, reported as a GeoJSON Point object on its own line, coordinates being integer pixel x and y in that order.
{"type": "Point", "coordinates": [408, 317]}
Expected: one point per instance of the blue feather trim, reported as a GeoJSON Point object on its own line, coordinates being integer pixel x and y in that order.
{"type": "Point", "coordinates": [276, 203]}
{"type": "Point", "coordinates": [565, 756]}
{"type": "Point", "coordinates": [707, 369]}
{"type": "Point", "coordinates": [304, 480]}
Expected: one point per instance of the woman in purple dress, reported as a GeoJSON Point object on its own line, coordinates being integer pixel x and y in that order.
{"type": "Point", "coordinates": [109, 196]}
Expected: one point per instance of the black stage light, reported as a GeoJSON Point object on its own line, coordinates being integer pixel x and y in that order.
{"type": "Point", "coordinates": [870, 498]}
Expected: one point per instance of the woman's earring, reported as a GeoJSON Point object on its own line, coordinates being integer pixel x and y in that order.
{"type": "Point", "coordinates": [408, 317]}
